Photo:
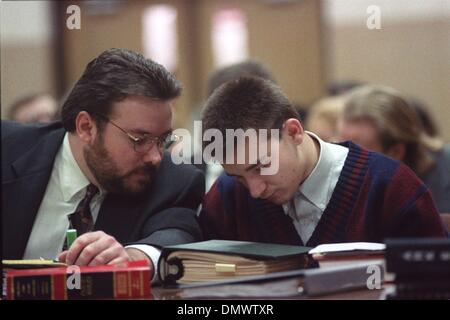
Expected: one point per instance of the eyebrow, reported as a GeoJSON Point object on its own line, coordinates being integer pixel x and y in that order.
{"type": "Point", "coordinates": [145, 132]}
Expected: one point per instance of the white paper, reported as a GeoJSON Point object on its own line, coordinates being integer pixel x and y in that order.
{"type": "Point", "coordinates": [349, 246]}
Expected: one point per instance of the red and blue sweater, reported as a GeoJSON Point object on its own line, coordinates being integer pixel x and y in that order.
{"type": "Point", "coordinates": [375, 198]}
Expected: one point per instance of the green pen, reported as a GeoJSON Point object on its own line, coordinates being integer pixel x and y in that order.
{"type": "Point", "coordinates": [71, 235]}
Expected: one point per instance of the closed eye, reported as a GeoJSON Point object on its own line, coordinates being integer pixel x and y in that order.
{"type": "Point", "coordinates": [257, 169]}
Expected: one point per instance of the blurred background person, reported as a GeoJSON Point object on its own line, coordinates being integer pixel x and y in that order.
{"type": "Point", "coordinates": [379, 118]}
{"type": "Point", "coordinates": [428, 122]}
{"type": "Point", "coordinates": [324, 114]}
{"type": "Point", "coordinates": [323, 118]}
{"type": "Point", "coordinates": [250, 67]}
{"type": "Point", "coordinates": [36, 108]}
{"type": "Point", "coordinates": [340, 87]}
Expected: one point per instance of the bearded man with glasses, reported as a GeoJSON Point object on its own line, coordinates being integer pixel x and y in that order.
{"type": "Point", "coordinates": [102, 170]}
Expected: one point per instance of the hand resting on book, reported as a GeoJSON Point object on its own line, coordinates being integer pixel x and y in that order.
{"type": "Point", "coordinates": [98, 248]}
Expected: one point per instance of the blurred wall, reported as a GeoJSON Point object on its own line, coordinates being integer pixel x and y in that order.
{"type": "Point", "coordinates": [39, 52]}
{"type": "Point", "coordinates": [305, 42]}
{"type": "Point", "coordinates": [411, 51]}
{"type": "Point", "coordinates": [286, 36]}
{"type": "Point", "coordinates": [26, 50]}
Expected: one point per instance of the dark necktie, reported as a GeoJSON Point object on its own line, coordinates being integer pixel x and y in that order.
{"type": "Point", "coordinates": [81, 219]}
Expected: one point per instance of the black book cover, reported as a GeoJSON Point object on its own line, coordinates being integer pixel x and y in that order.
{"type": "Point", "coordinates": [414, 256]}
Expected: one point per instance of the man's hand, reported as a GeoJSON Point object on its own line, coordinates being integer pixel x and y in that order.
{"type": "Point", "coordinates": [96, 248]}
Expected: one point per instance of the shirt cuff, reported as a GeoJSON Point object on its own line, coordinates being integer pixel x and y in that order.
{"type": "Point", "coordinates": [153, 253]}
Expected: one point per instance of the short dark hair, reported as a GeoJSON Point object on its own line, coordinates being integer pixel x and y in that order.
{"type": "Point", "coordinates": [248, 102]}
{"type": "Point", "coordinates": [248, 68]}
{"type": "Point", "coordinates": [113, 76]}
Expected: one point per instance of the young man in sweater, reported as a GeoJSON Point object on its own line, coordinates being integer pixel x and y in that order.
{"type": "Point", "coordinates": [318, 193]}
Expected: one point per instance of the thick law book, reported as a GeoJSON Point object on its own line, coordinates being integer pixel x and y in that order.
{"type": "Point", "coordinates": [126, 281]}
{"type": "Point", "coordinates": [223, 259]}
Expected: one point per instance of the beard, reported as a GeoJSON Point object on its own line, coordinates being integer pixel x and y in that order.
{"type": "Point", "coordinates": [106, 171]}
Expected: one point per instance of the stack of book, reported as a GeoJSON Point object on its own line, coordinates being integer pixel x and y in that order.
{"type": "Point", "coordinates": [421, 268]}
{"type": "Point", "coordinates": [47, 280]}
{"type": "Point", "coordinates": [223, 259]}
{"type": "Point", "coordinates": [242, 269]}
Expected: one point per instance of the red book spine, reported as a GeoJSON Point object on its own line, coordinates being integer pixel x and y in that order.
{"type": "Point", "coordinates": [131, 284]}
{"type": "Point", "coordinates": [103, 282]}
{"type": "Point", "coordinates": [41, 286]}
{"type": "Point", "coordinates": [59, 286]}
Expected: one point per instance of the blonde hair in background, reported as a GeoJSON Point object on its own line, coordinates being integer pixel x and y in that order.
{"type": "Point", "coordinates": [396, 122]}
{"type": "Point", "coordinates": [324, 116]}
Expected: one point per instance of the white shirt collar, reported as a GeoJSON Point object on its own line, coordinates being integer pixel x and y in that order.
{"type": "Point", "coordinates": [71, 179]}
{"type": "Point", "coordinates": [314, 194]}
{"type": "Point", "coordinates": [313, 187]}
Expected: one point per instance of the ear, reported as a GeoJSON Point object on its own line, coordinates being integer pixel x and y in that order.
{"type": "Point", "coordinates": [85, 126]}
{"type": "Point", "coordinates": [293, 129]}
{"type": "Point", "coordinates": [397, 151]}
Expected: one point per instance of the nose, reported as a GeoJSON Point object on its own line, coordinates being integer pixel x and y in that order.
{"type": "Point", "coordinates": [255, 186]}
{"type": "Point", "coordinates": [153, 156]}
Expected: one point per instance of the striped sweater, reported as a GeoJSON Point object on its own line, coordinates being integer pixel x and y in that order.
{"type": "Point", "coordinates": [375, 198]}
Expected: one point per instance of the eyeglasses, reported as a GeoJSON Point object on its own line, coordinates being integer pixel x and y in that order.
{"type": "Point", "coordinates": [146, 142]}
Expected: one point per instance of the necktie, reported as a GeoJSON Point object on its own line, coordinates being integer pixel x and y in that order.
{"type": "Point", "coordinates": [81, 219]}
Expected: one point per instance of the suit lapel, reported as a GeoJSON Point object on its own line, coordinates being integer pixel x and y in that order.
{"type": "Point", "coordinates": [22, 196]}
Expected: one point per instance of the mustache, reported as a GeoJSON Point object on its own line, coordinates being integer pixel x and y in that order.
{"type": "Point", "coordinates": [147, 169]}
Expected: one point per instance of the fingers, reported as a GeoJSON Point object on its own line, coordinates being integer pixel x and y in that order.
{"type": "Point", "coordinates": [114, 253]}
{"type": "Point", "coordinates": [95, 248]}
{"type": "Point", "coordinates": [118, 261]}
{"type": "Point", "coordinates": [80, 243]}
{"type": "Point", "coordinates": [62, 256]}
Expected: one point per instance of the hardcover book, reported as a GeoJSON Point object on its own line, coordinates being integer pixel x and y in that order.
{"type": "Point", "coordinates": [223, 259]}
{"type": "Point", "coordinates": [125, 281]}
{"type": "Point", "coordinates": [421, 267]}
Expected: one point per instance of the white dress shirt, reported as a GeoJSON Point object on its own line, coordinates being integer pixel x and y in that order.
{"type": "Point", "coordinates": [314, 194]}
{"type": "Point", "coordinates": [65, 189]}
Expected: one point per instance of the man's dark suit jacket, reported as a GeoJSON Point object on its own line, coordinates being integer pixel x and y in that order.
{"type": "Point", "coordinates": [163, 216]}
